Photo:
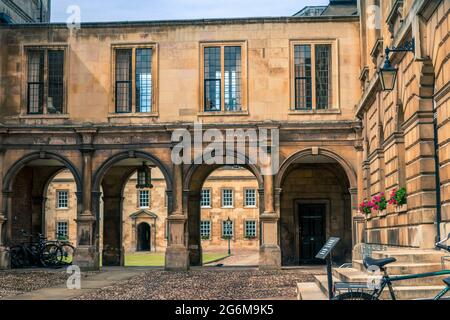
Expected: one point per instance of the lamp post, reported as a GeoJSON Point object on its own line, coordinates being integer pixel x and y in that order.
{"type": "Point", "coordinates": [229, 228]}
{"type": "Point", "coordinates": [388, 73]}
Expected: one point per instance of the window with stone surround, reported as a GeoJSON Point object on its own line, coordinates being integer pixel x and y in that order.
{"type": "Point", "coordinates": [62, 230]}
{"type": "Point", "coordinates": [250, 198]}
{"type": "Point", "coordinates": [205, 229]}
{"type": "Point", "coordinates": [227, 198]}
{"type": "Point", "coordinates": [227, 229]}
{"type": "Point", "coordinates": [205, 201]}
{"type": "Point", "coordinates": [223, 72]}
{"type": "Point", "coordinates": [313, 78]}
{"type": "Point", "coordinates": [45, 90]}
{"type": "Point", "coordinates": [144, 199]}
{"type": "Point", "coordinates": [250, 229]}
{"type": "Point", "coordinates": [62, 199]}
{"type": "Point", "coordinates": [135, 79]}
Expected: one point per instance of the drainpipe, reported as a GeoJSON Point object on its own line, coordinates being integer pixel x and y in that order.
{"type": "Point", "coordinates": [437, 175]}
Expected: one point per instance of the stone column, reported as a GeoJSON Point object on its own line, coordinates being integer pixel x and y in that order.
{"type": "Point", "coordinates": [4, 256]}
{"type": "Point", "coordinates": [269, 253]}
{"type": "Point", "coordinates": [86, 253]}
{"type": "Point", "coordinates": [177, 255]}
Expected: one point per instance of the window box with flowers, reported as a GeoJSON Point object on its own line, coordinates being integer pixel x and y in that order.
{"type": "Point", "coordinates": [380, 203]}
{"type": "Point", "coordinates": [398, 199]}
{"type": "Point", "coordinates": [366, 207]}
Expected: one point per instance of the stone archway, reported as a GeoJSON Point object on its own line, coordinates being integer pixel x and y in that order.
{"type": "Point", "coordinates": [24, 188]}
{"type": "Point", "coordinates": [111, 177]}
{"type": "Point", "coordinates": [314, 203]}
{"type": "Point", "coordinates": [194, 179]}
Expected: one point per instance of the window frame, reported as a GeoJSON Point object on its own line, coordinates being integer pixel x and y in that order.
{"type": "Point", "coordinates": [222, 190]}
{"type": "Point", "coordinates": [67, 200]}
{"type": "Point", "coordinates": [224, 222]}
{"type": "Point", "coordinates": [210, 198]}
{"type": "Point", "coordinates": [244, 78]}
{"type": "Point", "coordinates": [155, 84]}
{"type": "Point", "coordinates": [139, 199]}
{"type": "Point", "coordinates": [335, 93]}
{"type": "Point", "coordinates": [25, 92]}
{"type": "Point", "coordinates": [210, 229]}
{"type": "Point", "coordinates": [67, 228]}
{"type": "Point", "coordinates": [245, 198]}
{"type": "Point", "coordinates": [245, 228]}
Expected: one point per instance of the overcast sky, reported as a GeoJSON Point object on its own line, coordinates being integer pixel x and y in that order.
{"type": "Point", "coordinates": [129, 10]}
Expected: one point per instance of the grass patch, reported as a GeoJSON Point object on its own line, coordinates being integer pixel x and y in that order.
{"type": "Point", "coordinates": [157, 259]}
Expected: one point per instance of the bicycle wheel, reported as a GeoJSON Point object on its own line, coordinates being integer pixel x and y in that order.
{"type": "Point", "coordinates": [51, 256]}
{"type": "Point", "coordinates": [354, 296]}
{"type": "Point", "coordinates": [67, 254]}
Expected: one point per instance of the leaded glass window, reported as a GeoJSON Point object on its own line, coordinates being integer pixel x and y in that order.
{"type": "Point", "coordinates": [123, 80]}
{"type": "Point", "coordinates": [62, 200]}
{"type": "Point", "coordinates": [62, 230]}
{"type": "Point", "coordinates": [323, 76]}
{"type": "Point", "coordinates": [55, 97]}
{"type": "Point", "coordinates": [144, 80]}
{"type": "Point", "coordinates": [303, 80]}
{"type": "Point", "coordinates": [233, 79]}
{"type": "Point", "coordinates": [205, 201]}
{"type": "Point", "coordinates": [35, 81]}
{"type": "Point", "coordinates": [212, 78]}
{"type": "Point", "coordinates": [250, 198]}
{"type": "Point", "coordinates": [144, 198]}
{"type": "Point", "coordinates": [227, 229]}
{"type": "Point", "coordinates": [250, 229]}
{"type": "Point", "coordinates": [227, 198]}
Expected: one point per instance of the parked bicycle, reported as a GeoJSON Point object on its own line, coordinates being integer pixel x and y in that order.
{"type": "Point", "coordinates": [355, 291]}
{"type": "Point", "coordinates": [41, 253]}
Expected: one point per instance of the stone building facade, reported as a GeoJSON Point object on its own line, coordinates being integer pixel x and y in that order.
{"type": "Point", "coordinates": [404, 140]}
{"type": "Point", "coordinates": [144, 220]}
{"type": "Point", "coordinates": [25, 11]}
{"type": "Point", "coordinates": [122, 90]}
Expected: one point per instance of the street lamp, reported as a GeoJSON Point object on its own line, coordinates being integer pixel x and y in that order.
{"type": "Point", "coordinates": [229, 228]}
{"type": "Point", "coordinates": [144, 177]}
{"type": "Point", "coordinates": [388, 73]}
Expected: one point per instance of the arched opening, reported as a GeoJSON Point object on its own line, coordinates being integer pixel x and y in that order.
{"type": "Point", "coordinates": [37, 201]}
{"type": "Point", "coordinates": [133, 227]}
{"type": "Point", "coordinates": [143, 237]}
{"type": "Point", "coordinates": [224, 205]}
{"type": "Point", "coordinates": [315, 204]}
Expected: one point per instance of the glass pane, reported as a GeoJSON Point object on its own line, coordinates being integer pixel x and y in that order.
{"type": "Point", "coordinates": [303, 80]}
{"type": "Point", "coordinates": [233, 79]}
{"type": "Point", "coordinates": [212, 76]}
{"type": "Point", "coordinates": [35, 81]}
{"type": "Point", "coordinates": [55, 81]}
{"type": "Point", "coordinates": [323, 76]}
{"type": "Point", "coordinates": [123, 80]}
{"type": "Point", "coordinates": [144, 80]}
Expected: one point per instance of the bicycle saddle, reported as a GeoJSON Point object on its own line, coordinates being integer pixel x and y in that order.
{"type": "Point", "coordinates": [380, 263]}
{"type": "Point", "coordinates": [447, 281]}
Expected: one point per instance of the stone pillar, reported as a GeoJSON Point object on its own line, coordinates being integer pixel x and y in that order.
{"type": "Point", "coordinates": [269, 253]}
{"type": "Point", "coordinates": [113, 251]}
{"type": "Point", "coordinates": [4, 256]}
{"type": "Point", "coordinates": [86, 253]}
{"type": "Point", "coordinates": [177, 254]}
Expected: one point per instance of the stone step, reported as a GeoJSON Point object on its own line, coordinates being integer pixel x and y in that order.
{"type": "Point", "coordinates": [411, 256]}
{"type": "Point", "coordinates": [309, 291]}
{"type": "Point", "coordinates": [354, 275]}
{"type": "Point", "coordinates": [403, 268]}
{"type": "Point", "coordinates": [402, 293]}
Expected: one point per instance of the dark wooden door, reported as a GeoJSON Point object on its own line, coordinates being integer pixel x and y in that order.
{"type": "Point", "coordinates": [143, 237]}
{"type": "Point", "coordinates": [312, 232]}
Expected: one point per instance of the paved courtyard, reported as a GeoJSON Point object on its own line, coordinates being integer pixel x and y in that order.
{"type": "Point", "coordinates": [208, 283]}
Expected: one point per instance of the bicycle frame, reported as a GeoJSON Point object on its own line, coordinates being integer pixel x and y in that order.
{"type": "Point", "coordinates": [388, 280]}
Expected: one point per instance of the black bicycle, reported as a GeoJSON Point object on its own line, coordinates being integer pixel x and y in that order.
{"type": "Point", "coordinates": [35, 253]}
{"type": "Point", "coordinates": [359, 291]}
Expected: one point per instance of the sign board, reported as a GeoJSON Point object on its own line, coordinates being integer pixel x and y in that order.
{"type": "Point", "coordinates": [325, 251]}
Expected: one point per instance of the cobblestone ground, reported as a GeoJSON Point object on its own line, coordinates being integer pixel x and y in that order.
{"type": "Point", "coordinates": [207, 285]}
{"type": "Point", "coordinates": [13, 283]}
{"type": "Point", "coordinates": [18, 282]}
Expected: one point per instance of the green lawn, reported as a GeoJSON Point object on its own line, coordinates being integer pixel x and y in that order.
{"type": "Point", "coordinates": [157, 259]}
